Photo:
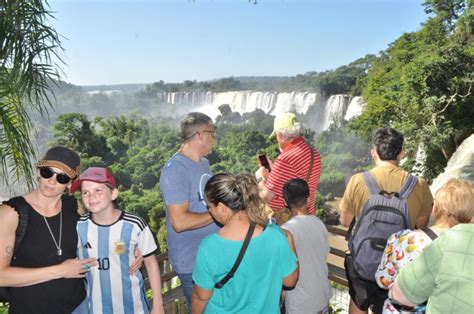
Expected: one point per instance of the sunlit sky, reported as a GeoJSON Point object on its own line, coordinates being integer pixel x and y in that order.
{"type": "Point", "coordinates": [118, 42]}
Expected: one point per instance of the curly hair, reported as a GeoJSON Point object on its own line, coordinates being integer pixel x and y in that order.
{"type": "Point", "coordinates": [388, 142]}
{"type": "Point", "coordinates": [455, 201]}
{"type": "Point", "coordinates": [238, 192]}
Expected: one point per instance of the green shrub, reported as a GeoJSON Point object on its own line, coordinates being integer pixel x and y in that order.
{"type": "Point", "coordinates": [332, 182]}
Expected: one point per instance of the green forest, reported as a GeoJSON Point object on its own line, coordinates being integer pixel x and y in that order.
{"type": "Point", "coordinates": [136, 149]}
{"type": "Point", "coordinates": [422, 84]}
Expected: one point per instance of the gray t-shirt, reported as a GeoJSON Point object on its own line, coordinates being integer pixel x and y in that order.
{"type": "Point", "coordinates": [183, 180]}
{"type": "Point", "coordinates": [312, 292]}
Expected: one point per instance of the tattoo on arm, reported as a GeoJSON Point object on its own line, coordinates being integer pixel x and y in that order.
{"type": "Point", "coordinates": [9, 251]}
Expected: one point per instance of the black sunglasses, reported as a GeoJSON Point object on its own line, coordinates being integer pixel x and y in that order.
{"type": "Point", "coordinates": [47, 173]}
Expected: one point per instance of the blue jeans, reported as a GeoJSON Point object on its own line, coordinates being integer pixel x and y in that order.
{"type": "Point", "coordinates": [83, 308]}
{"type": "Point", "coordinates": [187, 284]}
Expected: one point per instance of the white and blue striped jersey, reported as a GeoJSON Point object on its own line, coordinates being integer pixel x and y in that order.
{"type": "Point", "coordinates": [111, 289]}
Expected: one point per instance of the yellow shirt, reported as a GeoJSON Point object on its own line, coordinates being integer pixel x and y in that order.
{"type": "Point", "coordinates": [391, 179]}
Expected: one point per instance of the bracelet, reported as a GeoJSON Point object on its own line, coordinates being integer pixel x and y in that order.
{"type": "Point", "coordinates": [261, 179]}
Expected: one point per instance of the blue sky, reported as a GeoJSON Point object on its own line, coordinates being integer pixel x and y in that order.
{"type": "Point", "coordinates": [117, 42]}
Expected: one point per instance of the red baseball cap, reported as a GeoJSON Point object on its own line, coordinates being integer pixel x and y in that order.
{"type": "Point", "coordinates": [94, 174]}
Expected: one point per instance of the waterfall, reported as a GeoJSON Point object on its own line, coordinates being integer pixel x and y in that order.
{"type": "Point", "coordinates": [323, 114]}
{"type": "Point", "coordinates": [420, 158]}
{"type": "Point", "coordinates": [334, 110]}
{"type": "Point", "coordinates": [243, 101]}
{"type": "Point", "coordinates": [355, 107]}
{"type": "Point", "coordinates": [460, 165]}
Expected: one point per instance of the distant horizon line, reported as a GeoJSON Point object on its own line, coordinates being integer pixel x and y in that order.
{"type": "Point", "coordinates": [169, 82]}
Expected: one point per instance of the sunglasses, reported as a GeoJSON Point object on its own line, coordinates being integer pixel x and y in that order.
{"type": "Point", "coordinates": [213, 133]}
{"type": "Point", "coordinates": [47, 173]}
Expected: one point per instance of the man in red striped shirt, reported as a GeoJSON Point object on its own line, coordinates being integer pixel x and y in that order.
{"type": "Point", "coordinates": [297, 160]}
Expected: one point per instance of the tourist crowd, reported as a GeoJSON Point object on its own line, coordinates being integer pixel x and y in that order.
{"type": "Point", "coordinates": [239, 243]}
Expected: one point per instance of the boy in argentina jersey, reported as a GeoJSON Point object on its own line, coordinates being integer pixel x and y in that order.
{"type": "Point", "coordinates": [112, 235]}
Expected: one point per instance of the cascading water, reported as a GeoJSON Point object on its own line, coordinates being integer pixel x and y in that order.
{"type": "Point", "coordinates": [460, 165]}
{"type": "Point", "coordinates": [355, 108]}
{"type": "Point", "coordinates": [243, 101]}
{"type": "Point", "coordinates": [335, 108]}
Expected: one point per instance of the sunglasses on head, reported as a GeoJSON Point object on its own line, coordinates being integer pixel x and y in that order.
{"type": "Point", "coordinates": [47, 173]}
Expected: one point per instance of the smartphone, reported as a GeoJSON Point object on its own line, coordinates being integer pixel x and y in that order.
{"type": "Point", "coordinates": [263, 161]}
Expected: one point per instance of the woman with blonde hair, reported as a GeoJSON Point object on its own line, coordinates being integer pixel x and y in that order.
{"type": "Point", "coordinates": [453, 205]}
{"type": "Point", "coordinates": [267, 264]}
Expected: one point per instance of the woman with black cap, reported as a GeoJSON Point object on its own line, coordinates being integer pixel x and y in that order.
{"type": "Point", "coordinates": [42, 270]}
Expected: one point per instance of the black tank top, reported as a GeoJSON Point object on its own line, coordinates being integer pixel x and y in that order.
{"type": "Point", "coordinates": [37, 249]}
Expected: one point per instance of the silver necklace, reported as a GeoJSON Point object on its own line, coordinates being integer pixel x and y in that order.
{"type": "Point", "coordinates": [58, 247]}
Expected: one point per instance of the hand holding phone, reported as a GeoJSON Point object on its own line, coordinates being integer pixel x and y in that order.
{"type": "Point", "coordinates": [263, 161]}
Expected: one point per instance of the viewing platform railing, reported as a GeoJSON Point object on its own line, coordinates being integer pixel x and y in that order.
{"type": "Point", "coordinates": [173, 297]}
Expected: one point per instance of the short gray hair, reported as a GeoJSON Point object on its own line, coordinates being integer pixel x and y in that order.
{"type": "Point", "coordinates": [295, 131]}
{"type": "Point", "coordinates": [191, 123]}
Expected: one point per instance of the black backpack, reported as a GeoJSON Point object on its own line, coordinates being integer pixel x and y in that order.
{"type": "Point", "coordinates": [21, 207]}
{"type": "Point", "coordinates": [383, 214]}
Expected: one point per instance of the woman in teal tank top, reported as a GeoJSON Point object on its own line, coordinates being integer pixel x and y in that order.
{"type": "Point", "coordinates": [268, 263]}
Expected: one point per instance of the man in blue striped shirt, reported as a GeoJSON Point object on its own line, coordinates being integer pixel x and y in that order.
{"type": "Point", "coordinates": [112, 236]}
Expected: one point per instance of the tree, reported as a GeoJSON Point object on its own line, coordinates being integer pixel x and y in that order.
{"type": "Point", "coordinates": [28, 45]}
{"type": "Point", "coordinates": [227, 116]}
{"type": "Point", "coordinates": [423, 85]}
{"type": "Point", "coordinates": [74, 130]}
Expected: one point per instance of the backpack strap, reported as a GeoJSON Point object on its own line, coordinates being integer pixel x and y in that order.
{"type": "Point", "coordinates": [408, 187]}
{"type": "Point", "coordinates": [371, 184]}
{"type": "Point", "coordinates": [311, 163]}
{"type": "Point", "coordinates": [430, 233]}
{"type": "Point", "coordinates": [373, 188]}
{"type": "Point", "coordinates": [21, 207]}
{"type": "Point", "coordinates": [349, 230]}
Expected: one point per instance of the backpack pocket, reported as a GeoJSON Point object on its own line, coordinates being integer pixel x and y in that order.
{"type": "Point", "coordinates": [370, 237]}
{"type": "Point", "coordinates": [368, 256]}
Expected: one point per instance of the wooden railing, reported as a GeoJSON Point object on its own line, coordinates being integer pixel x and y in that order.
{"type": "Point", "coordinates": [173, 298]}
{"type": "Point", "coordinates": [338, 248]}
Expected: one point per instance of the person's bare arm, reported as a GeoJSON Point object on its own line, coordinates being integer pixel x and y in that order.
{"type": "Point", "coordinates": [422, 222]}
{"type": "Point", "coordinates": [262, 176]}
{"type": "Point", "coordinates": [426, 205]}
{"type": "Point", "coordinates": [396, 294]}
{"type": "Point", "coordinates": [137, 262]}
{"type": "Point", "coordinates": [182, 219]}
{"type": "Point", "coordinates": [291, 280]}
{"type": "Point", "coordinates": [266, 195]}
{"type": "Point", "coordinates": [19, 276]}
{"type": "Point", "coordinates": [346, 219]}
{"type": "Point", "coordinates": [200, 299]}
{"type": "Point", "coordinates": [154, 277]}
{"type": "Point", "coordinates": [291, 241]}
{"type": "Point", "coordinates": [80, 208]}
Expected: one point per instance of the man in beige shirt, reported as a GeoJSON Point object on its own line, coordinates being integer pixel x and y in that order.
{"type": "Point", "coordinates": [386, 153]}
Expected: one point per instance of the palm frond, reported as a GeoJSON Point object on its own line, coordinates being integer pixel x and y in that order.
{"type": "Point", "coordinates": [28, 47]}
